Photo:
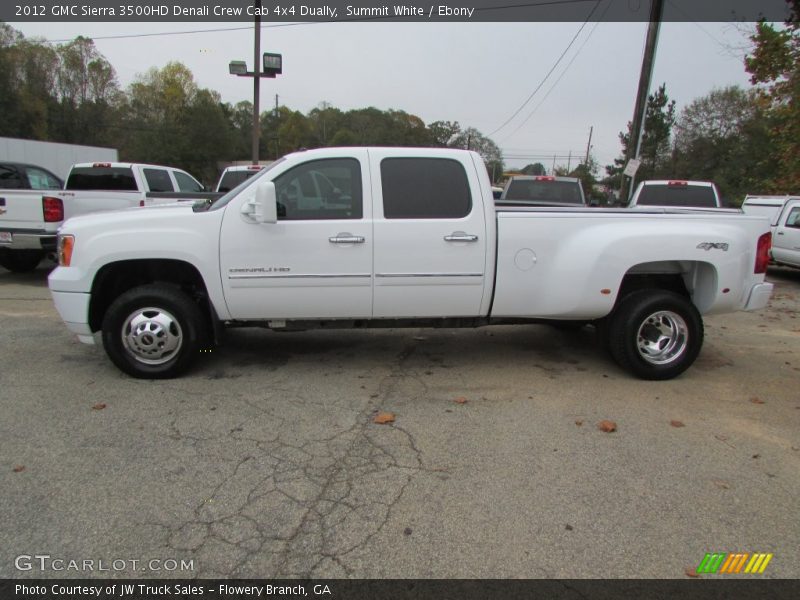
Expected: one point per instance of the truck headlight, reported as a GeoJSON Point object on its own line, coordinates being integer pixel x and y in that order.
{"type": "Point", "coordinates": [65, 245]}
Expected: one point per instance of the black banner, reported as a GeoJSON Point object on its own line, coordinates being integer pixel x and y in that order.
{"type": "Point", "coordinates": [371, 11]}
{"type": "Point", "coordinates": [401, 589]}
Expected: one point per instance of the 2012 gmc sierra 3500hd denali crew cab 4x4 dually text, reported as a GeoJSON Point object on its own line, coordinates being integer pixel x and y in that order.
{"type": "Point", "coordinates": [401, 237]}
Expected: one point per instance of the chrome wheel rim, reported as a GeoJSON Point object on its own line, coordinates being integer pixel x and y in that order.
{"type": "Point", "coordinates": [662, 337]}
{"type": "Point", "coordinates": [151, 336]}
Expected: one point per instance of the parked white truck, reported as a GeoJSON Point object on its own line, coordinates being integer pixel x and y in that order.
{"type": "Point", "coordinates": [408, 237]}
{"type": "Point", "coordinates": [29, 220]}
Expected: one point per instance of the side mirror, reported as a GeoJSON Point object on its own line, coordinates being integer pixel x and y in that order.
{"type": "Point", "coordinates": [264, 207]}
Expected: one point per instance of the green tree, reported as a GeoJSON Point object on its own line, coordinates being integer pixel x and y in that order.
{"type": "Point", "coordinates": [774, 66]}
{"type": "Point", "coordinates": [724, 137]}
{"type": "Point", "coordinates": [534, 169]}
{"type": "Point", "coordinates": [654, 151]}
{"type": "Point", "coordinates": [472, 139]}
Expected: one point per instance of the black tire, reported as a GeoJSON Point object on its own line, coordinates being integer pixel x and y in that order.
{"type": "Point", "coordinates": [170, 334]}
{"type": "Point", "coordinates": [655, 334]}
{"type": "Point", "coordinates": [20, 261]}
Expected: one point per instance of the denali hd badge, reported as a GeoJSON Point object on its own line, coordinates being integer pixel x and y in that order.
{"type": "Point", "coordinates": [712, 246]}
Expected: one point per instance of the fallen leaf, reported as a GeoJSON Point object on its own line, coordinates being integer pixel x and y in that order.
{"type": "Point", "coordinates": [721, 484]}
{"type": "Point", "coordinates": [382, 418]}
{"type": "Point", "coordinates": [677, 423]}
{"type": "Point", "coordinates": [579, 423]}
{"type": "Point", "coordinates": [568, 527]}
{"type": "Point", "coordinates": [691, 572]}
{"type": "Point", "coordinates": [460, 400]}
{"type": "Point", "coordinates": [99, 406]}
{"type": "Point", "coordinates": [607, 426]}
{"type": "Point", "coordinates": [756, 400]}
{"type": "Point", "coordinates": [407, 531]}
{"type": "Point", "coordinates": [19, 469]}
{"type": "Point", "coordinates": [756, 456]}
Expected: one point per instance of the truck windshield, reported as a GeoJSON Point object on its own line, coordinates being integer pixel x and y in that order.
{"type": "Point", "coordinates": [223, 201]}
{"type": "Point", "coordinates": [699, 196]}
{"type": "Point", "coordinates": [116, 179]}
{"type": "Point", "coordinates": [559, 192]}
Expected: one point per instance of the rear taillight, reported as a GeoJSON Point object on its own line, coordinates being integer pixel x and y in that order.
{"type": "Point", "coordinates": [53, 209]}
{"type": "Point", "coordinates": [762, 253]}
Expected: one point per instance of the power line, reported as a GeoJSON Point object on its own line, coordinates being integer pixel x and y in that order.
{"type": "Point", "coordinates": [550, 72]}
{"type": "Point", "coordinates": [564, 72]}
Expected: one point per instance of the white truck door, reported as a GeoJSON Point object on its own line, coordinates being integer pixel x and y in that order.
{"type": "Point", "coordinates": [316, 261]}
{"type": "Point", "coordinates": [786, 243]}
{"type": "Point", "coordinates": [430, 235]}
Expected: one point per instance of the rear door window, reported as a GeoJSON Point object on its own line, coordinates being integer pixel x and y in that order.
{"type": "Point", "coordinates": [107, 179]}
{"type": "Point", "coordinates": [158, 180]}
{"type": "Point", "coordinates": [425, 188]}
{"type": "Point", "coordinates": [561, 192]}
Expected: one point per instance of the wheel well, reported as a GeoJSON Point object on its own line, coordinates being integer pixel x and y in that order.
{"type": "Point", "coordinates": [695, 280]}
{"type": "Point", "coordinates": [116, 278]}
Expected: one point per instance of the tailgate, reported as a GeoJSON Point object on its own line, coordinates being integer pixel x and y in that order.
{"type": "Point", "coordinates": [22, 210]}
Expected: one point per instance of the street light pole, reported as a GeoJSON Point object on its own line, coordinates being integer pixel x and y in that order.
{"type": "Point", "coordinates": [256, 80]}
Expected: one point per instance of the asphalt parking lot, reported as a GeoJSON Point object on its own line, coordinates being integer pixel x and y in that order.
{"type": "Point", "coordinates": [265, 461]}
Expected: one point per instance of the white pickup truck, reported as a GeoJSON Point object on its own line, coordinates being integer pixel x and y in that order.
{"type": "Point", "coordinates": [409, 237]}
{"type": "Point", "coordinates": [29, 220]}
{"type": "Point", "coordinates": [786, 249]}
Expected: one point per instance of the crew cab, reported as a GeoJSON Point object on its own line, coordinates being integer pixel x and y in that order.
{"type": "Point", "coordinates": [786, 249]}
{"type": "Point", "coordinates": [678, 193]}
{"type": "Point", "coordinates": [406, 237]}
{"type": "Point", "coordinates": [29, 220]}
{"type": "Point", "coordinates": [542, 190]}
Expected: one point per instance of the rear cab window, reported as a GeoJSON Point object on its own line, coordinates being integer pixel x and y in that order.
{"type": "Point", "coordinates": [107, 179]}
{"type": "Point", "coordinates": [233, 178]}
{"type": "Point", "coordinates": [425, 188]}
{"type": "Point", "coordinates": [694, 196]}
{"type": "Point", "coordinates": [10, 178]}
{"type": "Point", "coordinates": [545, 191]}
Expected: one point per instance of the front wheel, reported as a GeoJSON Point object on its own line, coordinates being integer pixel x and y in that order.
{"type": "Point", "coordinates": [655, 334]}
{"type": "Point", "coordinates": [153, 332]}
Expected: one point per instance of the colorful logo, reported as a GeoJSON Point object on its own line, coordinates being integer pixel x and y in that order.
{"type": "Point", "coordinates": [727, 563]}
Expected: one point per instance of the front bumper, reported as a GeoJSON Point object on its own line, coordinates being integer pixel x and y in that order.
{"type": "Point", "coordinates": [74, 310]}
{"type": "Point", "coordinates": [759, 296]}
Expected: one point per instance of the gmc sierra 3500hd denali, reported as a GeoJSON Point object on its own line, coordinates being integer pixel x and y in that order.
{"type": "Point", "coordinates": [402, 237]}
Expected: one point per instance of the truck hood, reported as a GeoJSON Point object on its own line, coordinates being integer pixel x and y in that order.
{"type": "Point", "coordinates": [129, 218]}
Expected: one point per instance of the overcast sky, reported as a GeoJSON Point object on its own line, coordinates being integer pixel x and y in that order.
{"type": "Point", "coordinates": [478, 74]}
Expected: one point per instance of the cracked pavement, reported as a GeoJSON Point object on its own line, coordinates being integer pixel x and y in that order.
{"type": "Point", "coordinates": [265, 462]}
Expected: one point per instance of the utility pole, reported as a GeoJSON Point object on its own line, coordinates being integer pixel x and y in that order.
{"type": "Point", "coordinates": [645, 77]}
{"type": "Point", "coordinates": [256, 80]}
{"type": "Point", "coordinates": [588, 146]}
{"type": "Point", "coordinates": [569, 161]}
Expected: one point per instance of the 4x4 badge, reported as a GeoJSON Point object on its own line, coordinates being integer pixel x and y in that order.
{"type": "Point", "coordinates": [713, 246]}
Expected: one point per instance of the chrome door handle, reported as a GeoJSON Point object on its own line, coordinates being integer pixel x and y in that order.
{"type": "Point", "coordinates": [346, 239]}
{"type": "Point", "coordinates": [458, 236]}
